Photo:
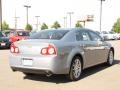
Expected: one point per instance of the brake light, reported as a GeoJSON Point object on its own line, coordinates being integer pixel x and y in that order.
{"type": "Point", "coordinates": [50, 50]}
{"type": "Point", "coordinates": [14, 49]}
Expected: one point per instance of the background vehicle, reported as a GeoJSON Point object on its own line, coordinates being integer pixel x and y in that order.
{"type": "Point", "coordinates": [6, 32]}
{"type": "Point", "coordinates": [4, 41]}
{"type": "Point", "coordinates": [17, 35]}
{"type": "Point", "coordinates": [109, 35]}
{"type": "Point", "coordinates": [61, 51]}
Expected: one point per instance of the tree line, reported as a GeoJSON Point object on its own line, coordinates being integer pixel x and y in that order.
{"type": "Point", "coordinates": [56, 25]}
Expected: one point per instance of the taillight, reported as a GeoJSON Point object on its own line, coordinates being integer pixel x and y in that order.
{"type": "Point", "coordinates": [14, 49]}
{"type": "Point", "coordinates": [50, 50]}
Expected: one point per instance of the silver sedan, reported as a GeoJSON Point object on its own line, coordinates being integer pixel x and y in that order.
{"type": "Point", "coordinates": [61, 51]}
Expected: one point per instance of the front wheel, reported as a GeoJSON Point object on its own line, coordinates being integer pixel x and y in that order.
{"type": "Point", "coordinates": [110, 58]}
{"type": "Point", "coordinates": [75, 69]}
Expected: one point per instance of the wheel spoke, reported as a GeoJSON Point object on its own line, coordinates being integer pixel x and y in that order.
{"type": "Point", "coordinates": [111, 57]}
{"type": "Point", "coordinates": [76, 68]}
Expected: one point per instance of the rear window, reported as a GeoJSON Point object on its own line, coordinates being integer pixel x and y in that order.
{"type": "Point", "coordinates": [23, 33]}
{"type": "Point", "coordinates": [49, 34]}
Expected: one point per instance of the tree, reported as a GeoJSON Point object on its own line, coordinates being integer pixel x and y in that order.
{"type": "Point", "coordinates": [44, 26]}
{"type": "Point", "coordinates": [56, 25]}
{"type": "Point", "coordinates": [5, 26]}
{"type": "Point", "coordinates": [116, 26]}
{"type": "Point", "coordinates": [78, 25]}
{"type": "Point", "coordinates": [28, 27]}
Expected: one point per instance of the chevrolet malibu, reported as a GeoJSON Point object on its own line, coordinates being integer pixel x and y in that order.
{"type": "Point", "coordinates": [61, 51]}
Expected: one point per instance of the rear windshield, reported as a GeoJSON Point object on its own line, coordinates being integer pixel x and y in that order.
{"type": "Point", "coordinates": [1, 35]}
{"type": "Point", "coordinates": [49, 34]}
{"type": "Point", "coordinates": [23, 33]}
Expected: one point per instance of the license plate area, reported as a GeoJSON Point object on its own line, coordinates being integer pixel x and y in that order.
{"type": "Point", "coordinates": [27, 61]}
{"type": "Point", "coordinates": [3, 44]}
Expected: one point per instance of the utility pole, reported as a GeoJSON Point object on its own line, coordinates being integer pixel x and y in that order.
{"type": "Point", "coordinates": [27, 7]}
{"type": "Point", "coordinates": [16, 19]}
{"type": "Point", "coordinates": [65, 22]}
{"type": "Point", "coordinates": [37, 24]}
{"type": "Point", "coordinates": [1, 15]}
{"type": "Point", "coordinates": [70, 13]}
{"type": "Point", "coordinates": [101, 14]}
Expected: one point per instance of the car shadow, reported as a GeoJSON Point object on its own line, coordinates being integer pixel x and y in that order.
{"type": "Point", "coordinates": [4, 48]}
{"type": "Point", "coordinates": [62, 79]}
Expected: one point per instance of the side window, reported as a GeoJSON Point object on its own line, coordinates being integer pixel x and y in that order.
{"type": "Point", "coordinates": [86, 36]}
{"type": "Point", "coordinates": [82, 36]}
{"type": "Point", "coordinates": [94, 36]}
{"type": "Point", "coordinates": [79, 36]}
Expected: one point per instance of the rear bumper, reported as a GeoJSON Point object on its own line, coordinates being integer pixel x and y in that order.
{"type": "Point", "coordinates": [40, 65]}
{"type": "Point", "coordinates": [28, 70]}
{"type": "Point", "coordinates": [7, 45]}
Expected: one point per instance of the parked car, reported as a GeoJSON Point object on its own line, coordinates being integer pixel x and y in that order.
{"type": "Point", "coordinates": [32, 32]}
{"type": "Point", "coordinates": [6, 32]}
{"type": "Point", "coordinates": [17, 35]}
{"type": "Point", "coordinates": [4, 41]}
{"type": "Point", "coordinates": [109, 35]}
{"type": "Point", "coordinates": [116, 36]}
{"type": "Point", "coordinates": [61, 51]}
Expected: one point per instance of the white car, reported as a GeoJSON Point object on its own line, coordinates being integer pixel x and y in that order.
{"type": "Point", "coordinates": [109, 35]}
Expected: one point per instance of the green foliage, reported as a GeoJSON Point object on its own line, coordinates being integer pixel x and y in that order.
{"type": "Point", "coordinates": [56, 25]}
{"type": "Point", "coordinates": [44, 26]}
{"type": "Point", "coordinates": [116, 26]}
{"type": "Point", "coordinates": [5, 26]}
{"type": "Point", "coordinates": [78, 25]}
{"type": "Point", "coordinates": [28, 27]}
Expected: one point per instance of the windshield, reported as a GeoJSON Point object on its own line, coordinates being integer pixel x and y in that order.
{"type": "Point", "coordinates": [23, 33]}
{"type": "Point", "coordinates": [1, 35]}
{"type": "Point", "coordinates": [49, 34]}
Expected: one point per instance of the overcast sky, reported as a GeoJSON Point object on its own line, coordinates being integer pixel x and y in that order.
{"type": "Point", "coordinates": [54, 10]}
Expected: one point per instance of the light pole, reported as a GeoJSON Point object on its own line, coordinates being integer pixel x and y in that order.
{"type": "Point", "coordinates": [27, 12]}
{"type": "Point", "coordinates": [101, 14]}
{"type": "Point", "coordinates": [16, 19]}
{"type": "Point", "coordinates": [1, 15]}
{"type": "Point", "coordinates": [37, 17]}
{"type": "Point", "coordinates": [65, 22]}
{"type": "Point", "coordinates": [70, 13]}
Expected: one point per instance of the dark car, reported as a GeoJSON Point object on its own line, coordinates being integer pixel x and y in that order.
{"type": "Point", "coordinates": [6, 32]}
{"type": "Point", "coordinates": [4, 41]}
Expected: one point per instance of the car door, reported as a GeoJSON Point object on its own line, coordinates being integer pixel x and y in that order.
{"type": "Point", "coordinates": [91, 56]}
{"type": "Point", "coordinates": [100, 47]}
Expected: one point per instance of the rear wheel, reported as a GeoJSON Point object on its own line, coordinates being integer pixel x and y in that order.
{"type": "Point", "coordinates": [75, 69]}
{"type": "Point", "coordinates": [110, 58]}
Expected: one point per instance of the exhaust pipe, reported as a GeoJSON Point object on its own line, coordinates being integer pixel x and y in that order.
{"type": "Point", "coordinates": [48, 73]}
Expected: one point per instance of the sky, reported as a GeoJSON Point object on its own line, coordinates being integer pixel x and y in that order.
{"type": "Point", "coordinates": [54, 10]}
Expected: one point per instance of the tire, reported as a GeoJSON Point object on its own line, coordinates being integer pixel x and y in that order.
{"type": "Point", "coordinates": [110, 59]}
{"type": "Point", "coordinates": [75, 69]}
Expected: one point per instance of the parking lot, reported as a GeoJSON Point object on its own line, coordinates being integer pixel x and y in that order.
{"type": "Point", "coordinates": [98, 78]}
